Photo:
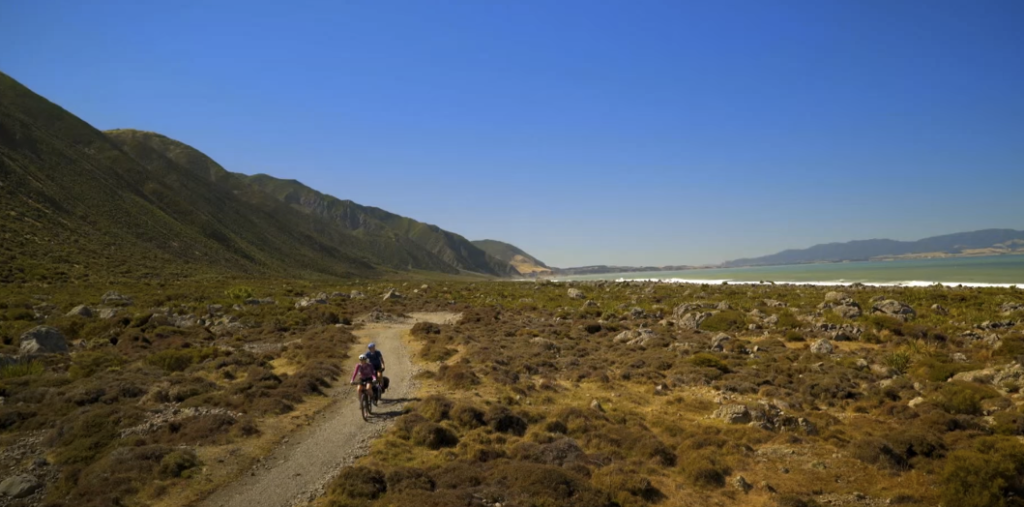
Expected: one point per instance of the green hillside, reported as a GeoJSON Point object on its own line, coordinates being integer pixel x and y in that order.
{"type": "Point", "coordinates": [520, 260]}
{"type": "Point", "coordinates": [77, 204]}
{"type": "Point", "coordinates": [367, 221]}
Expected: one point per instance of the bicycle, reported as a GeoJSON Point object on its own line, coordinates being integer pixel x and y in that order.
{"type": "Point", "coordinates": [366, 400]}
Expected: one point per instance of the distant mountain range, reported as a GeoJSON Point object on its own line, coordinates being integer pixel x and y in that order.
{"type": "Point", "coordinates": [964, 244]}
{"type": "Point", "coordinates": [79, 204]}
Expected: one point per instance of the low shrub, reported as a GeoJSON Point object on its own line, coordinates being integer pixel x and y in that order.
{"type": "Point", "coordinates": [467, 416]}
{"type": "Point", "coordinates": [705, 469]}
{"type": "Point", "coordinates": [178, 463]}
{"type": "Point", "coordinates": [985, 474]}
{"type": "Point", "coordinates": [433, 436]}
{"type": "Point", "coordinates": [706, 360]}
{"type": "Point", "coordinates": [359, 483]}
{"type": "Point", "coordinates": [963, 397]}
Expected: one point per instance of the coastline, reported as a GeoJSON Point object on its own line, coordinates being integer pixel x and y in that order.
{"type": "Point", "coordinates": [818, 283]}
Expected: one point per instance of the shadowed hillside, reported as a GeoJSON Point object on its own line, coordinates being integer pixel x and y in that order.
{"type": "Point", "coordinates": [368, 221]}
{"type": "Point", "coordinates": [76, 202]}
{"type": "Point", "coordinates": [523, 262]}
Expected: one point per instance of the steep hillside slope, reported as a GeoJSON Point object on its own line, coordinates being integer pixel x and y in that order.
{"type": "Point", "coordinates": [523, 262]}
{"type": "Point", "coordinates": [368, 221]}
{"type": "Point", "coordinates": [236, 196]}
{"type": "Point", "coordinates": [988, 241]}
{"type": "Point", "coordinates": [74, 205]}
{"type": "Point", "coordinates": [77, 204]}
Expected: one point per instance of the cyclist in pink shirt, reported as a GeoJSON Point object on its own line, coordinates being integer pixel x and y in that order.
{"type": "Point", "coordinates": [366, 373]}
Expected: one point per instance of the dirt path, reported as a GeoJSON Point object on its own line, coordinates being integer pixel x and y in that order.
{"type": "Point", "coordinates": [298, 470]}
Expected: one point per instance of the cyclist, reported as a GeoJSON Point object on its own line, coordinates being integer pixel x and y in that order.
{"type": "Point", "coordinates": [375, 357]}
{"type": "Point", "coordinates": [366, 373]}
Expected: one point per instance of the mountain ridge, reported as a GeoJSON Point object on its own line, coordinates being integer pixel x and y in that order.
{"type": "Point", "coordinates": [77, 204]}
{"type": "Point", "coordinates": [523, 262]}
{"type": "Point", "coordinates": [978, 242]}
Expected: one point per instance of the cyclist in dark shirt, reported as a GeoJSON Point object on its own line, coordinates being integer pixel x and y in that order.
{"type": "Point", "coordinates": [375, 357]}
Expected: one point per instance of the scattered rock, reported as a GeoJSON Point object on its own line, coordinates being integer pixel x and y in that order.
{"type": "Point", "coordinates": [848, 310]}
{"type": "Point", "coordinates": [724, 305]}
{"type": "Point", "coordinates": [774, 304]}
{"type": "Point", "coordinates": [822, 346]}
{"type": "Point", "coordinates": [391, 294]}
{"type": "Point", "coordinates": [807, 426]}
{"type": "Point", "coordinates": [590, 304]}
{"type": "Point", "coordinates": [356, 295]}
{"type": "Point", "coordinates": [895, 309]}
{"type": "Point", "coordinates": [693, 320]}
{"type": "Point", "coordinates": [307, 302]}
{"type": "Point", "coordinates": [883, 371]}
{"type": "Point", "coordinates": [596, 405]}
{"type": "Point", "coordinates": [80, 311]}
{"type": "Point", "coordinates": [915, 402]}
{"type": "Point", "coordinates": [107, 313]}
{"type": "Point", "coordinates": [1008, 308]}
{"type": "Point", "coordinates": [741, 484]}
{"type": "Point", "coordinates": [635, 337]}
{"type": "Point", "coordinates": [116, 298]}
{"type": "Point", "coordinates": [718, 342]}
{"type": "Point", "coordinates": [43, 340]}
{"type": "Point", "coordinates": [19, 486]}
{"type": "Point", "coordinates": [939, 309]}
{"type": "Point", "coordinates": [835, 297]}
{"type": "Point", "coordinates": [767, 487]}
{"type": "Point", "coordinates": [637, 313]}
{"type": "Point", "coordinates": [958, 357]}
{"type": "Point", "coordinates": [842, 336]}
{"type": "Point", "coordinates": [733, 414]}
{"type": "Point", "coordinates": [576, 294]}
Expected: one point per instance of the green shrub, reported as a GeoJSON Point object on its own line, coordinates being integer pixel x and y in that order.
{"type": "Point", "coordinates": [172, 360]}
{"type": "Point", "coordinates": [88, 363]}
{"type": "Point", "coordinates": [728, 320]}
{"type": "Point", "coordinates": [706, 360]}
{"type": "Point", "coordinates": [963, 397]}
{"type": "Point", "coordinates": [788, 320]}
{"type": "Point", "coordinates": [178, 463]}
{"type": "Point", "coordinates": [359, 483]}
{"type": "Point", "coordinates": [467, 416]}
{"type": "Point", "coordinates": [704, 469]}
{"type": "Point", "coordinates": [240, 293]}
{"type": "Point", "coordinates": [984, 475]}
{"type": "Point", "coordinates": [886, 323]}
{"type": "Point", "coordinates": [434, 436]}
{"type": "Point", "coordinates": [898, 360]}
{"type": "Point", "coordinates": [435, 407]}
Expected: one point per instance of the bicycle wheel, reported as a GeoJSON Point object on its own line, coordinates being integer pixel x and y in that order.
{"type": "Point", "coordinates": [364, 404]}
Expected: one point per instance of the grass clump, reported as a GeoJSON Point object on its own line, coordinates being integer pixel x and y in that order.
{"type": "Point", "coordinates": [17, 370]}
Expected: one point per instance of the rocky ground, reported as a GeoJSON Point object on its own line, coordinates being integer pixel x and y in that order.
{"type": "Point", "coordinates": [542, 394]}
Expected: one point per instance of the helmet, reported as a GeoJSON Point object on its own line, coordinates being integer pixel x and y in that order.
{"type": "Point", "coordinates": [371, 345]}
{"type": "Point", "coordinates": [362, 357]}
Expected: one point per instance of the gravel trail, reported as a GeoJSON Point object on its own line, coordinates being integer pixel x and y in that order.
{"type": "Point", "coordinates": [299, 470]}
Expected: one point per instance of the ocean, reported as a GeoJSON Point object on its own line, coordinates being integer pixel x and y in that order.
{"type": "Point", "coordinates": [995, 271]}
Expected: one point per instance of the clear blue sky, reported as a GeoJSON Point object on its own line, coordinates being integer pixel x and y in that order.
{"type": "Point", "coordinates": [585, 132]}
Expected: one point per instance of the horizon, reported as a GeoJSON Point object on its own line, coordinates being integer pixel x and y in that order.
{"type": "Point", "coordinates": [583, 134]}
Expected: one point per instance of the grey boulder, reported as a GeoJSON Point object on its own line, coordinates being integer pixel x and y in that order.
{"type": "Point", "coordinates": [19, 486]}
{"type": "Point", "coordinates": [43, 340]}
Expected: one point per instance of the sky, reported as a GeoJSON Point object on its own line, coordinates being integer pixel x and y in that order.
{"type": "Point", "coordinates": [585, 132]}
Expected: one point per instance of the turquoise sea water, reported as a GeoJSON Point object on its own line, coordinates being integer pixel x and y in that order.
{"type": "Point", "coordinates": [997, 270]}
